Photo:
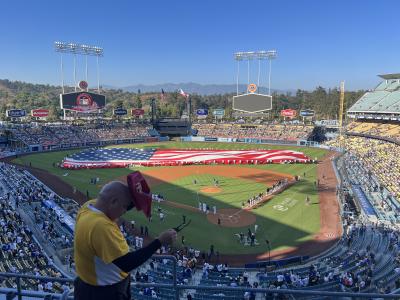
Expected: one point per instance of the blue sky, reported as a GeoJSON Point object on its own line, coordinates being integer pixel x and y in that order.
{"type": "Point", "coordinates": [319, 43]}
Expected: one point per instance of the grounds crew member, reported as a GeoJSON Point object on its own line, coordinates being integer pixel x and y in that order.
{"type": "Point", "coordinates": [102, 256]}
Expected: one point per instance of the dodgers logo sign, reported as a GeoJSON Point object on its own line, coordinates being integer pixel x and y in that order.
{"type": "Point", "coordinates": [307, 113]}
{"type": "Point", "coordinates": [202, 112]}
{"type": "Point", "coordinates": [120, 111]}
{"type": "Point", "coordinates": [219, 112]}
{"type": "Point", "coordinates": [16, 113]}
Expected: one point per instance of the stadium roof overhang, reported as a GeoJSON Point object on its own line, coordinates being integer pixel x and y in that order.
{"type": "Point", "coordinates": [373, 112]}
{"type": "Point", "coordinates": [390, 76]}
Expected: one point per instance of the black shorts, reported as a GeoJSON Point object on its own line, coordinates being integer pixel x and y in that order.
{"type": "Point", "coordinates": [117, 291]}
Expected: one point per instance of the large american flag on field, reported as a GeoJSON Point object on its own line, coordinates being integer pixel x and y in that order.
{"type": "Point", "coordinates": [122, 157]}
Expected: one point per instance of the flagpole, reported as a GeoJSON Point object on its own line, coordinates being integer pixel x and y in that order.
{"type": "Point", "coordinates": [189, 108]}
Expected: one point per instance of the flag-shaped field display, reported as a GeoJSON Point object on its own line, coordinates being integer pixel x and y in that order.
{"type": "Point", "coordinates": [123, 157]}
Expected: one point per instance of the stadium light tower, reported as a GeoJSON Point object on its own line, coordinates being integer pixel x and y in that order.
{"type": "Point", "coordinates": [259, 55]}
{"type": "Point", "coordinates": [80, 49]}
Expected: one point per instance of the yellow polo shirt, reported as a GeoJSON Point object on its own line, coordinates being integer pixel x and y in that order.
{"type": "Point", "coordinates": [98, 241]}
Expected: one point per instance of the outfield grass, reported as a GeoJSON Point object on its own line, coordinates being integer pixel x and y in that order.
{"type": "Point", "coordinates": [296, 224]}
{"type": "Point", "coordinates": [234, 190]}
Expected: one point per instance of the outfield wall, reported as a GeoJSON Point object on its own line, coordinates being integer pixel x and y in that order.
{"type": "Point", "coordinates": [235, 140]}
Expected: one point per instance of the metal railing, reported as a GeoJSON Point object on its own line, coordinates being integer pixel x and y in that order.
{"type": "Point", "coordinates": [19, 293]}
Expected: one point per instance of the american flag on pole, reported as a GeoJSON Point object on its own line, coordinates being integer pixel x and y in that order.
{"type": "Point", "coordinates": [122, 157]}
{"type": "Point", "coordinates": [162, 95]}
{"type": "Point", "coordinates": [186, 95]}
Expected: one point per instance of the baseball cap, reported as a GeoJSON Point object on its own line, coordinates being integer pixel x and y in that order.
{"type": "Point", "coordinates": [140, 192]}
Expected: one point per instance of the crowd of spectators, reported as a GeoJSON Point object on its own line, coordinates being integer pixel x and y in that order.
{"type": "Point", "coordinates": [121, 132]}
{"type": "Point", "coordinates": [385, 206]}
{"type": "Point", "coordinates": [20, 253]}
{"type": "Point", "coordinates": [29, 190]}
{"type": "Point", "coordinates": [365, 259]}
{"type": "Point", "coordinates": [279, 132]}
{"type": "Point", "coordinates": [32, 198]}
{"type": "Point", "coordinates": [380, 158]}
{"type": "Point", "coordinates": [362, 261]}
{"type": "Point", "coordinates": [386, 130]}
{"type": "Point", "coordinates": [6, 151]}
{"type": "Point", "coordinates": [161, 271]}
{"type": "Point", "coordinates": [35, 135]}
{"type": "Point", "coordinates": [52, 135]}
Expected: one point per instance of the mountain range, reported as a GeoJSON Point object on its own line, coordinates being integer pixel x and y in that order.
{"type": "Point", "coordinates": [194, 88]}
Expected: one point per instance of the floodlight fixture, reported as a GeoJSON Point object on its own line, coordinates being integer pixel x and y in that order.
{"type": "Point", "coordinates": [254, 55]}
{"type": "Point", "coordinates": [79, 49]}
{"type": "Point", "coordinates": [250, 55]}
{"type": "Point", "coordinates": [75, 48]}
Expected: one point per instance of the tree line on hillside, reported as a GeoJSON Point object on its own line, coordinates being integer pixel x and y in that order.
{"type": "Point", "coordinates": [27, 96]}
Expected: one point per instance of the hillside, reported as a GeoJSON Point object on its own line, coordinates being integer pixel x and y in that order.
{"type": "Point", "coordinates": [16, 94]}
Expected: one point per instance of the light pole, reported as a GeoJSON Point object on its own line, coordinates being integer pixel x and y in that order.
{"type": "Point", "coordinates": [269, 252]}
{"type": "Point", "coordinates": [269, 77]}
{"type": "Point", "coordinates": [259, 55]}
{"type": "Point", "coordinates": [81, 49]}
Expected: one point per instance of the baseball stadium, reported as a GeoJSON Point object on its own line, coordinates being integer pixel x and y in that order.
{"type": "Point", "coordinates": [258, 206]}
{"type": "Point", "coordinates": [219, 192]}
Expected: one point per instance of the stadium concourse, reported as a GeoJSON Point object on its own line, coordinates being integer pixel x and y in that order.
{"type": "Point", "coordinates": [37, 228]}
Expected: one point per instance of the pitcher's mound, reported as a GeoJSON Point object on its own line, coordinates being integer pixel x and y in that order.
{"type": "Point", "coordinates": [211, 190]}
{"type": "Point", "coordinates": [231, 217]}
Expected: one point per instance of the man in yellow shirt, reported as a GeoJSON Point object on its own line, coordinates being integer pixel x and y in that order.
{"type": "Point", "coordinates": [102, 256]}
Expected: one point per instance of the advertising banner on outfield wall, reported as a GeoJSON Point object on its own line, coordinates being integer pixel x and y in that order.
{"type": "Point", "coordinates": [201, 113]}
{"type": "Point", "coordinates": [290, 113]}
{"type": "Point", "coordinates": [210, 139]}
{"type": "Point", "coordinates": [197, 138]}
{"type": "Point", "coordinates": [151, 139]}
{"type": "Point", "coordinates": [82, 101]}
{"type": "Point", "coordinates": [223, 139]}
{"type": "Point", "coordinates": [252, 141]}
{"type": "Point", "coordinates": [219, 112]}
{"type": "Point", "coordinates": [307, 113]}
{"type": "Point", "coordinates": [40, 113]}
{"type": "Point", "coordinates": [137, 112]}
{"type": "Point", "coordinates": [15, 113]}
{"type": "Point", "coordinates": [120, 111]}
{"type": "Point", "coordinates": [264, 141]}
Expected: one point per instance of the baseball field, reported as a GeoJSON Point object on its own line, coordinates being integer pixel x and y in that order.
{"type": "Point", "coordinates": [287, 221]}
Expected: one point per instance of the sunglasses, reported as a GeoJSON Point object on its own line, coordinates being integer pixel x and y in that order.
{"type": "Point", "coordinates": [130, 206]}
{"type": "Point", "coordinates": [181, 226]}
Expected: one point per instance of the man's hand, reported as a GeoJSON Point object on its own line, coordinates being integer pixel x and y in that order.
{"type": "Point", "coordinates": [167, 237]}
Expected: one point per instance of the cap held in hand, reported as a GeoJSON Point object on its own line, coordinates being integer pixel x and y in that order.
{"type": "Point", "coordinates": [140, 191]}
